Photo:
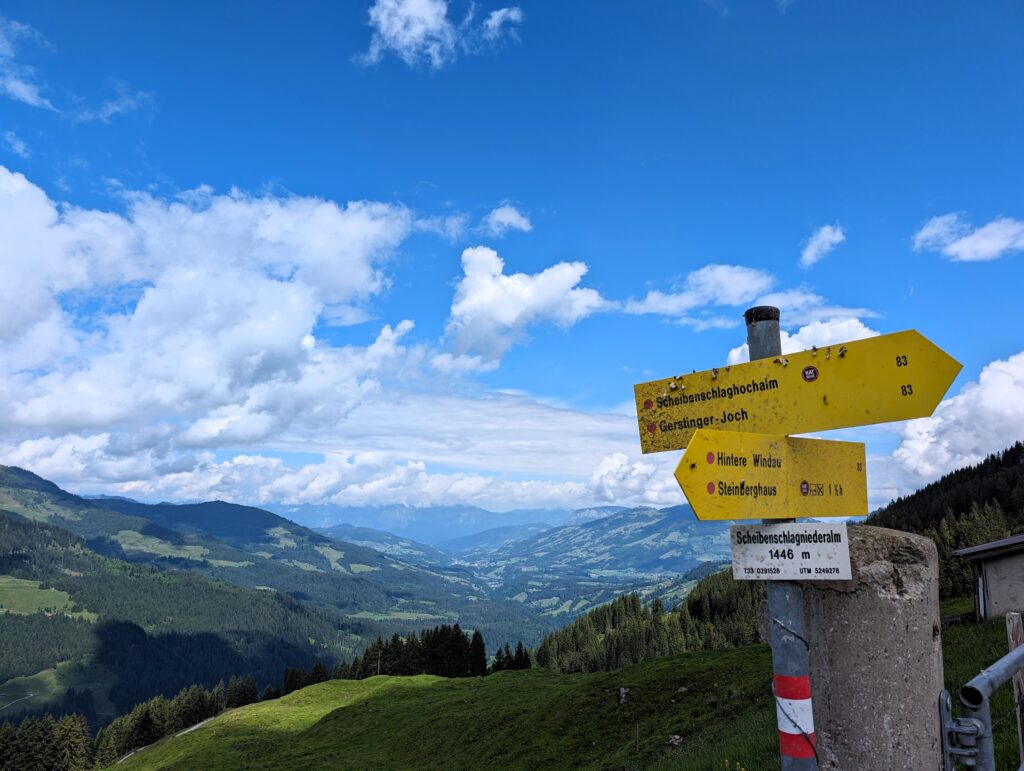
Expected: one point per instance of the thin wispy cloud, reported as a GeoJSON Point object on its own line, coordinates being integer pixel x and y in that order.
{"type": "Point", "coordinates": [504, 21]}
{"type": "Point", "coordinates": [451, 227]}
{"type": "Point", "coordinates": [698, 302]}
{"type": "Point", "coordinates": [16, 146]}
{"type": "Point", "coordinates": [420, 32]}
{"type": "Point", "coordinates": [126, 101]}
{"type": "Point", "coordinates": [719, 7]}
{"type": "Point", "coordinates": [821, 242]}
{"type": "Point", "coordinates": [952, 236]}
{"type": "Point", "coordinates": [18, 81]}
{"type": "Point", "coordinates": [712, 285]}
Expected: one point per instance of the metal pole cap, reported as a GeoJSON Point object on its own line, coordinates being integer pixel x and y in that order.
{"type": "Point", "coordinates": [761, 313]}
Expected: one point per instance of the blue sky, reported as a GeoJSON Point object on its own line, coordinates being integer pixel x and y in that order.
{"type": "Point", "coordinates": [418, 251]}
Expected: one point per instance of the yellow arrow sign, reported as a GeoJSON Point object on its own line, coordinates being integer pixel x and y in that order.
{"type": "Point", "coordinates": [891, 377]}
{"type": "Point", "coordinates": [734, 475]}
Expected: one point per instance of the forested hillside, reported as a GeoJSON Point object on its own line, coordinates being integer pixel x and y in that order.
{"type": "Point", "coordinates": [130, 631]}
{"type": "Point", "coordinates": [393, 545]}
{"type": "Point", "coordinates": [718, 613]}
{"type": "Point", "coordinates": [254, 548]}
{"type": "Point", "coordinates": [565, 571]}
{"type": "Point", "coordinates": [999, 479]}
{"type": "Point", "coordinates": [972, 505]}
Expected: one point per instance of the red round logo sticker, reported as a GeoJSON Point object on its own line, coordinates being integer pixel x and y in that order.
{"type": "Point", "coordinates": [804, 488]}
{"type": "Point", "coordinates": [810, 374]}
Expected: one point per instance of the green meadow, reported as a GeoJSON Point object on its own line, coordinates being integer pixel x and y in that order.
{"type": "Point", "coordinates": [19, 595]}
{"type": "Point", "coordinates": [718, 702]}
{"type": "Point", "coordinates": [527, 719]}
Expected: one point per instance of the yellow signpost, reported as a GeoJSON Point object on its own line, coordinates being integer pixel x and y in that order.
{"type": "Point", "coordinates": [738, 465]}
{"type": "Point", "coordinates": [877, 380]}
{"type": "Point", "coordinates": [735, 475]}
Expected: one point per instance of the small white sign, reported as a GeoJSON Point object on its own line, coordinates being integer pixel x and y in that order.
{"type": "Point", "coordinates": [805, 551]}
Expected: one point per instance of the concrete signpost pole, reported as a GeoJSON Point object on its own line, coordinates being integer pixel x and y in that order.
{"type": "Point", "coordinates": [790, 655]}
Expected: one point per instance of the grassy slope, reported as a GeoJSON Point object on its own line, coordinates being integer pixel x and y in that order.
{"type": "Point", "coordinates": [536, 719]}
{"type": "Point", "coordinates": [20, 595]}
{"type": "Point", "coordinates": [510, 720]}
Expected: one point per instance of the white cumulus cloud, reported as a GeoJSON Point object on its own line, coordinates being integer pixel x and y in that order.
{"type": "Point", "coordinates": [503, 219]}
{"type": "Point", "coordinates": [711, 285]}
{"type": "Point", "coordinates": [202, 310]}
{"type": "Point", "coordinates": [821, 242]}
{"type": "Point", "coordinates": [491, 310]}
{"type": "Point", "coordinates": [420, 31]}
{"type": "Point", "coordinates": [951, 235]}
{"type": "Point", "coordinates": [817, 333]}
{"type": "Point", "coordinates": [985, 417]}
{"type": "Point", "coordinates": [617, 479]}
{"type": "Point", "coordinates": [175, 349]}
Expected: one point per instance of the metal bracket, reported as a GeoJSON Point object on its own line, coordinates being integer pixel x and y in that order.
{"type": "Point", "coordinates": [959, 736]}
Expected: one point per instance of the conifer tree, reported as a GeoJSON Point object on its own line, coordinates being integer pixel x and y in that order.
{"type": "Point", "coordinates": [28, 744]}
{"type": "Point", "coordinates": [294, 679]}
{"type": "Point", "coordinates": [233, 697]}
{"type": "Point", "coordinates": [499, 661]}
{"type": "Point", "coordinates": [477, 655]}
{"type": "Point", "coordinates": [217, 699]}
{"type": "Point", "coordinates": [318, 674]}
{"type": "Point", "coordinates": [241, 691]}
{"type": "Point", "coordinates": [522, 658]}
{"type": "Point", "coordinates": [8, 737]}
{"type": "Point", "coordinates": [74, 749]}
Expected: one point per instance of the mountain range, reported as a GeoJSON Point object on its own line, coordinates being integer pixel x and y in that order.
{"type": "Point", "coordinates": [112, 583]}
{"type": "Point", "coordinates": [426, 524]}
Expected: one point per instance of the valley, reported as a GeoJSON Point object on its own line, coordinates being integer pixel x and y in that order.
{"type": "Point", "coordinates": [90, 574]}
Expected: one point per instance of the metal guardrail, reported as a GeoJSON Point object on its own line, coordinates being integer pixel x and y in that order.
{"type": "Point", "coordinates": [968, 739]}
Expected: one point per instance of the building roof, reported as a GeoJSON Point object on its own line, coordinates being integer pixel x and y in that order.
{"type": "Point", "coordinates": [993, 548]}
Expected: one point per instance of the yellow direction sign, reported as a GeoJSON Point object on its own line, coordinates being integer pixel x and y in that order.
{"type": "Point", "coordinates": [891, 377]}
{"type": "Point", "coordinates": [734, 475]}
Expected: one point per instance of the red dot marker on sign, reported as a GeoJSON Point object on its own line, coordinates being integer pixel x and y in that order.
{"type": "Point", "coordinates": [648, 404]}
{"type": "Point", "coordinates": [652, 427]}
{"type": "Point", "coordinates": [711, 488]}
{"type": "Point", "coordinates": [711, 457]}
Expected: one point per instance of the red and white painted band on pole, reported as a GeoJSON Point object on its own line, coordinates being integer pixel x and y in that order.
{"type": "Point", "coordinates": [795, 716]}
